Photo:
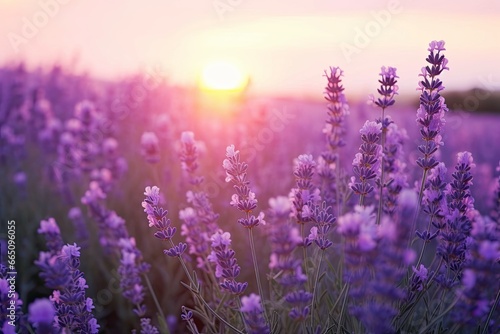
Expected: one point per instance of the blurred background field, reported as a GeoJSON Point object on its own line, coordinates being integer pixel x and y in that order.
{"type": "Point", "coordinates": [270, 133]}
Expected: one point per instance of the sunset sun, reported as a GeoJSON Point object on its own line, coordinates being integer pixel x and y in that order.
{"type": "Point", "coordinates": [223, 76]}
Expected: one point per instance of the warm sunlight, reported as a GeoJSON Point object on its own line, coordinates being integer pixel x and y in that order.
{"type": "Point", "coordinates": [223, 75]}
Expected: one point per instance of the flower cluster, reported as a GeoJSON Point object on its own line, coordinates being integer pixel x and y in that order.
{"type": "Point", "coordinates": [328, 168]}
{"type": "Point", "coordinates": [199, 219]}
{"type": "Point", "coordinates": [130, 271]}
{"type": "Point", "coordinates": [430, 114]}
{"type": "Point", "coordinates": [188, 156]}
{"type": "Point", "coordinates": [10, 304]}
{"type": "Point", "coordinates": [323, 222]}
{"type": "Point", "coordinates": [480, 277]}
{"type": "Point", "coordinates": [304, 195]}
{"type": "Point", "coordinates": [458, 218]}
{"type": "Point", "coordinates": [227, 268]}
{"type": "Point", "coordinates": [394, 167]}
{"type": "Point", "coordinates": [388, 88]}
{"type": "Point", "coordinates": [157, 217]}
{"type": "Point", "coordinates": [252, 311]}
{"type": "Point", "coordinates": [60, 269]}
{"type": "Point", "coordinates": [111, 226]}
{"type": "Point", "coordinates": [367, 162]}
{"type": "Point", "coordinates": [150, 147]}
{"type": "Point", "coordinates": [244, 199]}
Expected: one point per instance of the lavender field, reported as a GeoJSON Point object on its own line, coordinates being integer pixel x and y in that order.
{"type": "Point", "coordinates": [139, 205]}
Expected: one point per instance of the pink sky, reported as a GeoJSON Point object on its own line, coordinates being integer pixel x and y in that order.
{"type": "Point", "coordinates": [284, 46]}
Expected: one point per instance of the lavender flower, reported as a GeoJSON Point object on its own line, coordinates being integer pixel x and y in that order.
{"type": "Point", "coordinates": [226, 268]}
{"type": "Point", "coordinates": [130, 271]}
{"type": "Point", "coordinates": [388, 88]}
{"type": "Point", "coordinates": [253, 313]}
{"type": "Point", "coordinates": [394, 167]}
{"type": "Point", "coordinates": [157, 218]}
{"type": "Point", "coordinates": [150, 147]}
{"type": "Point", "coordinates": [111, 226]}
{"type": "Point", "coordinates": [328, 168]}
{"type": "Point", "coordinates": [244, 199]}
{"type": "Point", "coordinates": [304, 195]}
{"type": "Point", "coordinates": [200, 221]}
{"type": "Point", "coordinates": [480, 278]}
{"type": "Point", "coordinates": [86, 113]}
{"type": "Point", "coordinates": [323, 221]}
{"type": "Point", "coordinates": [82, 234]}
{"type": "Point", "coordinates": [41, 314]}
{"type": "Point", "coordinates": [146, 327]}
{"type": "Point", "coordinates": [367, 161]}
{"type": "Point", "coordinates": [188, 156]}
{"type": "Point", "coordinates": [453, 238]}
{"type": "Point", "coordinates": [73, 310]}
{"type": "Point", "coordinates": [430, 114]}
{"type": "Point", "coordinates": [11, 316]}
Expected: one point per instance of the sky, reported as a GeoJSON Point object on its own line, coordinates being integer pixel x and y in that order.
{"type": "Point", "coordinates": [284, 46]}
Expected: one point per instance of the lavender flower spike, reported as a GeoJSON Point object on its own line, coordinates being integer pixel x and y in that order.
{"type": "Point", "coordinates": [252, 311]}
{"type": "Point", "coordinates": [430, 114]}
{"type": "Point", "coordinates": [366, 163]}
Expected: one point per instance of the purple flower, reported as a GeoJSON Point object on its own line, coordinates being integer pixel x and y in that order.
{"type": "Point", "coordinates": [304, 194]}
{"type": "Point", "coordinates": [150, 147]}
{"type": "Point", "coordinates": [366, 163]}
{"type": "Point", "coordinates": [227, 268]}
{"type": "Point", "coordinates": [244, 199]}
{"type": "Point", "coordinates": [430, 114]}
{"type": "Point", "coordinates": [61, 272]}
{"type": "Point", "coordinates": [252, 310]}
{"type": "Point", "coordinates": [131, 269]}
{"type": "Point", "coordinates": [76, 216]}
{"type": "Point", "coordinates": [41, 311]}
{"type": "Point", "coordinates": [480, 276]}
{"type": "Point", "coordinates": [388, 88]}
{"type": "Point", "coordinates": [453, 237]}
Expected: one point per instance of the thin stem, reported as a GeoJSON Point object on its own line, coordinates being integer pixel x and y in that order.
{"type": "Point", "coordinates": [425, 243]}
{"type": "Point", "coordinates": [158, 307]}
{"type": "Point", "coordinates": [485, 327]}
{"type": "Point", "coordinates": [341, 316]}
{"type": "Point", "coordinates": [424, 330]}
{"type": "Point", "coordinates": [316, 278]}
{"type": "Point", "coordinates": [257, 275]}
{"type": "Point", "coordinates": [420, 196]}
{"type": "Point", "coordinates": [198, 294]}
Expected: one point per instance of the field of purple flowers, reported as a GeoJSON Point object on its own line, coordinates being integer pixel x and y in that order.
{"type": "Point", "coordinates": [138, 206]}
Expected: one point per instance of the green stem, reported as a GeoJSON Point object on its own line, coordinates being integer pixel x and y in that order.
{"type": "Point", "coordinates": [419, 203]}
{"type": "Point", "coordinates": [341, 316]}
{"type": "Point", "coordinates": [257, 275]}
{"type": "Point", "coordinates": [424, 330]}
{"type": "Point", "coordinates": [197, 293]}
{"type": "Point", "coordinates": [485, 327]}
{"type": "Point", "coordinates": [316, 278]}
{"type": "Point", "coordinates": [158, 307]}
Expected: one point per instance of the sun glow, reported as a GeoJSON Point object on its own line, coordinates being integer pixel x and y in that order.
{"type": "Point", "coordinates": [223, 76]}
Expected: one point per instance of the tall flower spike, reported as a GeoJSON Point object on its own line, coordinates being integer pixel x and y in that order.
{"type": "Point", "coordinates": [367, 161]}
{"type": "Point", "coordinates": [453, 246]}
{"type": "Point", "coordinates": [430, 114]}
{"type": "Point", "coordinates": [388, 89]}
{"type": "Point", "coordinates": [226, 268]}
{"type": "Point", "coordinates": [157, 218]}
{"type": "Point", "coordinates": [244, 199]}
